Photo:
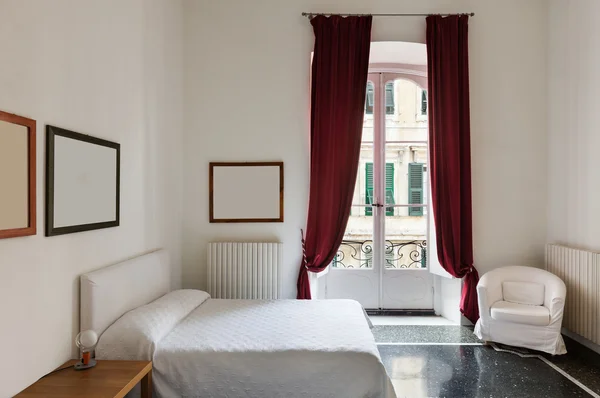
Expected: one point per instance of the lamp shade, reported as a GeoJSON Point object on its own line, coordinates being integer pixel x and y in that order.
{"type": "Point", "coordinates": [86, 340]}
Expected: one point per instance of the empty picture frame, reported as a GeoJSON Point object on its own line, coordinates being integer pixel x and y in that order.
{"type": "Point", "coordinates": [246, 192]}
{"type": "Point", "coordinates": [82, 182]}
{"type": "Point", "coordinates": [17, 176]}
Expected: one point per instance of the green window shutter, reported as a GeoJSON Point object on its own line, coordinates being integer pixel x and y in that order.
{"type": "Point", "coordinates": [424, 102]}
{"type": "Point", "coordinates": [370, 98]}
{"type": "Point", "coordinates": [423, 257]}
{"type": "Point", "coordinates": [415, 188]}
{"type": "Point", "coordinates": [369, 188]}
{"type": "Point", "coordinates": [389, 98]}
{"type": "Point", "coordinates": [389, 188]}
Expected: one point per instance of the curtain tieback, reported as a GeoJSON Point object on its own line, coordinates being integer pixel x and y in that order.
{"type": "Point", "coordinates": [303, 249]}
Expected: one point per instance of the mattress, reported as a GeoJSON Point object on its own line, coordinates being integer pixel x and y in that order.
{"type": "Point", "coordinates": [251, 348]}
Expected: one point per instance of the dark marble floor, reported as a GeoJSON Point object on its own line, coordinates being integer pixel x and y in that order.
{"type": "Point", "coordinates": [471, 371]}
{"type": "Point", "coordinates": [423, 334]}
{"type": "Point", "coordinates": [581, 363]}
{"type": "Point", "coordinates": [461, 371]}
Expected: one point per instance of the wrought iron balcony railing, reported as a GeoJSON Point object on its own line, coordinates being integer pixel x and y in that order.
{"type": "Point", "coordinates": [398, 254]}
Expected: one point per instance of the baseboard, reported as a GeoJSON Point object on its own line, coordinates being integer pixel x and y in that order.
{"type": "Point", "coordinates": [401, 312]}
{"type": "Point", "coordinates": [581, 340]}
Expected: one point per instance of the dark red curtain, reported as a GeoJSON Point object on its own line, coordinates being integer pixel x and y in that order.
{"type": "Point", "coordinates": [450, 151]}
{"type": "Point", "coordinates": [339, 81]}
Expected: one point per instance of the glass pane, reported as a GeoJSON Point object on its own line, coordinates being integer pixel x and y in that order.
{"type": "Point", "coordinates": [406, 226]}
{"type": "Point", "coordinates": [389, 98]}
{"type": "Point", "coordinates": [424, 103]}
{"type": "Point", "coordinates": [356, 250]}
{"type": "Point", "coordinates": [406, 177]}
{"type": "Point", "coordinates": [406, 239]}
{"type": "Point", "coordinates": [363, 190]}
{"type": "Point", "coordinates": [404, 119]}
{"type": "Point", "coordinates": [370, 99]}
{"type": "Point", "coordinates": [403, 253]}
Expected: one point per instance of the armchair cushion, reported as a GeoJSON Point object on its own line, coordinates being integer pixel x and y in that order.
{"type": "Point", "coordinates": [535, 315]}
{"type": "Point", "coordinates": [529, 293]}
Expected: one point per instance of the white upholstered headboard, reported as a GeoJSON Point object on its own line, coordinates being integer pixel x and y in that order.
{"type": "Point", "coordinates": [108, 293]}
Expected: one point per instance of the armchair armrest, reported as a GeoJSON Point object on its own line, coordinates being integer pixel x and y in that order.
{"type": "Point", "coordinates": [556, 307]}
{"type": "Point", "coordinates": [555, 295]}
{"type": "Point", "coordinates": [488, 292]}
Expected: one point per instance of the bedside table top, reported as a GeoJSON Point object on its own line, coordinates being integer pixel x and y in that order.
{"type": "Point", "coordinates": [106, 379]}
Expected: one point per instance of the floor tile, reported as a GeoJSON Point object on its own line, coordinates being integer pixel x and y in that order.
{"type": "Point", "coordinates": [581, 363]}
{"type": "Point", "coordinates": [471, 371]}
{"type": "Point", "coordinates": [423, 334]}
{"type": "Point", "coordinates": [409, 320]}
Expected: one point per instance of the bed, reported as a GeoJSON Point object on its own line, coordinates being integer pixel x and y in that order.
{"type": "Point", "coordinates": [203, 347]}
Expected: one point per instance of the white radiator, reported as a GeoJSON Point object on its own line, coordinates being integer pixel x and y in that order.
{"type": "Point", "coordinates": [580, 270]}
{"type": "Point", "coordinates": [244, 270]}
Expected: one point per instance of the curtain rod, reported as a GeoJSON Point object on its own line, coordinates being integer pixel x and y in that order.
{"type": "Point", "coordinates": [314, 14]}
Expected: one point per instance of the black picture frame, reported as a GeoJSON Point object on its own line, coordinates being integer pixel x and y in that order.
{"type": "Point", "coordinates": [51, 132]}
{"type": "Point", "coordinates": [211, 192]}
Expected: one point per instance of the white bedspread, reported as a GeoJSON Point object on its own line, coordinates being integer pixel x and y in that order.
{"type": "Point", "coordinates": [255, 349]}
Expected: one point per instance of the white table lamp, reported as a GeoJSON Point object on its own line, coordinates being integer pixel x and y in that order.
{"type": "Point", "coordinates": [86, 341]}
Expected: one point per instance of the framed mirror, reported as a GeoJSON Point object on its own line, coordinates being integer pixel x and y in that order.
{"type": "Point", "coordinates": [246, 192]}
{"type": "Point", "coordinates": [17, 176]}
{"type": "Point", "coordinates": [82, 182]}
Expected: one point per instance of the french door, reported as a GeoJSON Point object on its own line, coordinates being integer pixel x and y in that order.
{"type": "Point", "coordinates": [383, 259]}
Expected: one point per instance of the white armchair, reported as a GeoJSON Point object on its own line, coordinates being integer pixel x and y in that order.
{"type": "Point", "coordinates": [523, 307]}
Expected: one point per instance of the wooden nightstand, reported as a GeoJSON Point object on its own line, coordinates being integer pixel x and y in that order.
{"type": "Point", "coordinates": [107, 379]}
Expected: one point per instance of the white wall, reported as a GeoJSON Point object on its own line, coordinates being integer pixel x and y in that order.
{"type": "Point", "coordinates": [573, 123]}
{"type": "Point", "coordinates": [111, 69]}
{"type": "Point", "coordinates": [247, 98]}
{"type": "Point", "coordinates": [447, 298]}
